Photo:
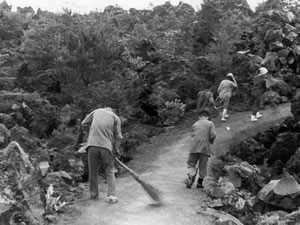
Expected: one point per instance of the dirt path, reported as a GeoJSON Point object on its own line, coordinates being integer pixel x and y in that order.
{"type": "Point", "coordinates": [163, 164]}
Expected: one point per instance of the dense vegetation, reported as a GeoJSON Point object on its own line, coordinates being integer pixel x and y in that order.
{"type": "Point", "coordinates": [147, 64]}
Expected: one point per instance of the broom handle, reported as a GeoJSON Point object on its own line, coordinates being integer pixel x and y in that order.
{"type": "Point", "coordinates": [134, 174]}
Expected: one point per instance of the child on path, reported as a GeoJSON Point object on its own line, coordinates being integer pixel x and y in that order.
{"type": "Point", "coordinates": [225, 90]}
{"type": "Point", "coordinates": [203, 135]}
{"type": "Point", "coordinates": [258, 89]}
{"type": "Point", "coordinates": [205, 101]}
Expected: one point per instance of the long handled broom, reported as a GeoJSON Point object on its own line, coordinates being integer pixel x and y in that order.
{"type": "Point", "coordinates": [153, 192]}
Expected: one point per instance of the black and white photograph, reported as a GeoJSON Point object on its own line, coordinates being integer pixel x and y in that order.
{"type": "Point", "coordinates": [149, 112]}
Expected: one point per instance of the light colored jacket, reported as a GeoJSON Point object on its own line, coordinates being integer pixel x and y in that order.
{"type": "Point", "coordinates": [225, 88]}
{"type": "Point", "coordinates": [105, 128]}
{"type": "Point", "coordinates": [203, 135]}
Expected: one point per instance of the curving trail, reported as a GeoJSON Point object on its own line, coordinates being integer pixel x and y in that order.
{"type": "Point", "coordinates": [162, 162]}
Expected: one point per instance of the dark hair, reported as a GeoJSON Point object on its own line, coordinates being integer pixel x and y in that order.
{"type": "Point", "coordinates": [204, 113]}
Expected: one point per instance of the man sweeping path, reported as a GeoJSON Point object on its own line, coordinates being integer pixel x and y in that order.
{"type": "Point", "coordinates": [103, 141]}
{"type": "Point", "coordinates": [203, 135]}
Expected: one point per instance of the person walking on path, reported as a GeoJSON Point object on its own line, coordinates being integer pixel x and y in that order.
{"type": "Point", "coordinates": [258, 88]}
{"type": "Point", "coordinates": [203, 135]}
{"type": "Point", "coordinates": [225, 90]}
{"type": "Point", "coordinates": [205, 101]}
{"type": "Point", "coordinates": [103, 141]}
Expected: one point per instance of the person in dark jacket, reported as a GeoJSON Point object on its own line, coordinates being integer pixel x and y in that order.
{"type": "Point", "coordinates": [203, 135]}
{"type": "Point", "coordinates": [205, 101]}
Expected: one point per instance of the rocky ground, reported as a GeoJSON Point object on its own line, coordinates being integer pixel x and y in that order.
{"type": "Point", "coordinates": [162, 163]}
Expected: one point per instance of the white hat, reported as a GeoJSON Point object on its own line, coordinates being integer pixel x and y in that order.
{"type": "Point", "coordinates": [262, 71]}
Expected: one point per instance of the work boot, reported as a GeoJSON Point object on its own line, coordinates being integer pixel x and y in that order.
{"type": "Point", "coordinates": [189, 181]}
{"type": "Point", "coordinates": [258, 115]}
{"type": "Point", "coordinates": [199, 183]}
{"type": "Point", "coordinates": [253, 118]}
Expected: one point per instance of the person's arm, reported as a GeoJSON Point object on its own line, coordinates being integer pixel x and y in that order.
{"type": "Point", "coordinates": [220, 86]}
{"type": "Point", "coordinates": [234, 81]}
{"type": "Point", "coordinates": [88, 119]}
{"type": "Point", "coordinates": [212, 101]}
{"type": "Point", "coordinates": [117, 135]}
{"type": "Point", "coordinates": [212, 133]}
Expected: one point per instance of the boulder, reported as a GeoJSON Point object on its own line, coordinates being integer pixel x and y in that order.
{"type": "Point", "coordinates": [296, 50]}
{"type": "Point", "coordinates": [238, 171]}
{"type": "Point", "coordinates": [29, 143]}
{"type": "Point", "coordinates": [271, 97]}
{"type": "Point", "coordinates": [284, 147]}
{"type": "Point", "coordinates": [284, 52]}
{"type": "Point", "coordinates": [289, 28]}
{"type": "Point", "coordinates": [7, 120]}
{"type": "Point", "coordinates": [284, 193]}
{"type": "Point", "coordinates": [273, 35]}
{"type": "Point", "coordinates": [290, 16]}
{"type": "Point", "coordinates": [21, 195]}
{"type": "Point", "coordinates": [276, 46]}
{"type": "Point", "coordinates": [270, 61]}
{"type": "Point", "coordinates": [293, 165]}
{"type": "Point", "coordinates": [290, 37]}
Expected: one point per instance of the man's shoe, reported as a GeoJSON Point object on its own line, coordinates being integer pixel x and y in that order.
{"type": "Point", "coordinates": [223, 119]}
{"type": "Point", "coordinates": [226, 116]}
{"type": "Point", "coordinates": [199, 183]}
{"type": "Point", "coordinates": [253, 118]}
{"type": "Point", "coordinates": [189, 181]}
{"type": "Point", "coordinates": [112, 199]}
{"type": "Point", "coordinates": [258, 115]}
{"type": "Point", "coordinates": [94, 197]}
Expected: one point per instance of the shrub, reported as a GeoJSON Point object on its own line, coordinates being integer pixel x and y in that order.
{"type": "Point", "coordinates": [172, 112]}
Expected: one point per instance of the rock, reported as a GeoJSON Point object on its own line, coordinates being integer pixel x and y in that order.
{"type": "Point", "coordinates": [293, 165]}
{"type": "Point", "coordinates": [296, 50]}
{"type": "Point", "coordinates": [64, 175]}
{"type": "Point", "coordinates": [295, 106]}
{"type": "Point", "coordinates": [7, 120]}
{"type": "Point", "coordinates": [273, 35]}
{"type": "Point", "coordinates": [20, 188]}
{"type": "Point", "coordinates": [289, 28]}
{"type": "Point", "coordinates": [275, 46]}
{"type": "Point", "coordinates": [270, 61]}
{"type": "Point", "coordinates": [292, 218]}
{"type": "Point", "coordinates": [29, 143]}
{"type": "Point", "coordinates": [240, 170]}
{"type": "Point", "coordinates": [291, 17]}
{"type": "Point", "coordinates": [227, 220]}
{"type": "Point", "coordinates": [67, 160]}
{"type": "Point", "coordinates": [271, 97]}
{"type": "Point", "coordinates": [284, 147]}
{"type": "Point", "coordinates": [289, 39]}
{"type": "Point", "coordinates": [221, 217]}
{"type": "Point", "coordinates": [284, 52]}
{"type": "Point", "coordinates": [4, 136]}
{"type": "Point", "coordinates": [284, 193]}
